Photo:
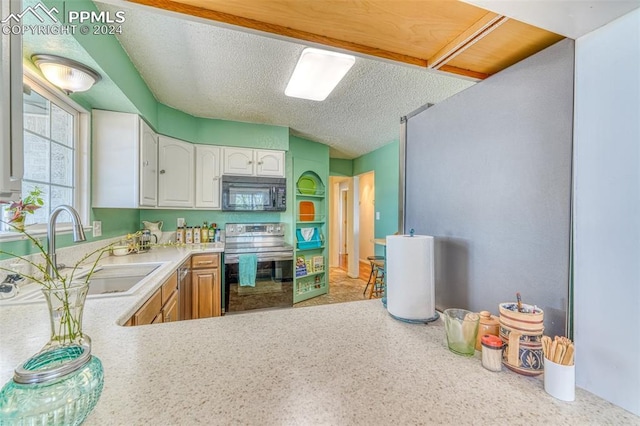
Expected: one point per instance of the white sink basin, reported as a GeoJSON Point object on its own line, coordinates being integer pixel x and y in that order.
{"type": "Point", "coordinates": [106, 281]}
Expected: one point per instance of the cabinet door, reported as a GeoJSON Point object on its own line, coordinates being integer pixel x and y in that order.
{"type": "Point", "coordinates": [206, 293]}
{"type": "Point", "coordinates": [269, 163]}
{"type": "Point", "coordinates": [148, 313]}
{"type": "Point", "coordinates": [170, 310]}
{"type": "Point", "coordinates": [148, 166]}
{"type": "Point", "coordinates": [186, 293]}
{"type": "Point", "coordinates": [176, 176]}
{"type": "Point", "coordinates": [208, 176]}
{"type": "Point", "coordinates": [238, 161]}
{"type": "Point", "coordinates": [115, 151]}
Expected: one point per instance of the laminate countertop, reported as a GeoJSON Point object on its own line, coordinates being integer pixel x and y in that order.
{"type": "Point", "coordinates": [341, 364]}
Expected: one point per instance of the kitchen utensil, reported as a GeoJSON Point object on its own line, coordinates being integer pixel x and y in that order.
{"type": "Point", "coordinates": [120, 250]}
{"type": "Point", "coordinates": [307, 185]}
{"type": "Point", "coordinates": [155, 228]}
{"type": "Point", "coordinates": [461, 327]}
{"type": "Point", "coordinates": [307, 211]}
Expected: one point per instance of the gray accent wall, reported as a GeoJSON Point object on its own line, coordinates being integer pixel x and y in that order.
{"type": "Point", "coordinates": [607, 212]}
{"type": "Point", "coordinates": [488, 173]}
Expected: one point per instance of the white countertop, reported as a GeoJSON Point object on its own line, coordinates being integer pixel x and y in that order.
{"type": "Point", "coordinates": [348, 363]}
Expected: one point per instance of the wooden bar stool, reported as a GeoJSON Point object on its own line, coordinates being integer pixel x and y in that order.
{"type": "Point", "coordinates": [377, 287]}
{"type": "Point", "coordinates": [376, 262]}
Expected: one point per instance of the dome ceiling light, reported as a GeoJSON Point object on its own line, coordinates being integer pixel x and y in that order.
{"type": "Point", "coordinates": [68, 75]}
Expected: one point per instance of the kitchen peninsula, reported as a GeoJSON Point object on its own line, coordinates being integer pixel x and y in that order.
{"type": "Point", "coordinates": [339, 364]}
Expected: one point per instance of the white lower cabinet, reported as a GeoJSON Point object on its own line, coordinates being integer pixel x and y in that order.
{"type": "Point", "coordinates": [208, 176]}
{"type": "Point", "coordinates": [176, 173]}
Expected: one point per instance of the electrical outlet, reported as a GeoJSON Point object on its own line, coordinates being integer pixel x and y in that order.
{"type": "Point", "coordinates": [97, 228]}
{"type": "Point", "coordinates": [180, 222]}
{"type": "Point", "coordinates": [377, 215]}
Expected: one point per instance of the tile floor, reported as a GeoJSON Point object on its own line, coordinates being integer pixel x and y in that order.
{"type": "Point", "coordinates": [341, 289]}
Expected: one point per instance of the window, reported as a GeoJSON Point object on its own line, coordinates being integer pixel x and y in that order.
{"type": "Point", "coordinates": [54, 152]}
{"type": "Point", "coordinates": [49, 150]}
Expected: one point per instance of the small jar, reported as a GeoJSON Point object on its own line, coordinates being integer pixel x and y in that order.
{"type": "Point", "coordinates": [492, 352]}
{"type": "Point", "coordinates": [489, 324]}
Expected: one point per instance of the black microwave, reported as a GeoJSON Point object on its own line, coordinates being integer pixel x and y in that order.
{"type": "Point", "coordinates": [249, 193]}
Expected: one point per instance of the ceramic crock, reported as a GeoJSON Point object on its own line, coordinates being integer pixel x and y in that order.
{"type": "Point", "coordinates": [521, 331]}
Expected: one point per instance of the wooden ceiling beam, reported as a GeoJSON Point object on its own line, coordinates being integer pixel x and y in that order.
{"type": "Point", "coordinates": [279, 30]}
{"type": "Point", "coordinates": [466, 39]}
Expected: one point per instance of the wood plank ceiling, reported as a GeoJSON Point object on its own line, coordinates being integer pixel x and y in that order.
{"type": "Point", "coordinates": [447, 35]}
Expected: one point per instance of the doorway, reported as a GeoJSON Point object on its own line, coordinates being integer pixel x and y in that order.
{"type": "Point", "coordinates": [343, 253]}
{"type": "Point", "coordinates": [351, 218]}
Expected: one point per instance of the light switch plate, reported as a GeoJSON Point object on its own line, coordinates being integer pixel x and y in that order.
{"type": "Point", "coordinates": [377, 215]}
{"type": "Point", "coordinates": [180, 222]}
{"type": "Point", "coordinates": [97, 228]}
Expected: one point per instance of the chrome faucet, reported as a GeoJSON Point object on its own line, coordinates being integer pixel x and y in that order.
{"type": "Point", "coordinates": [78, 235]}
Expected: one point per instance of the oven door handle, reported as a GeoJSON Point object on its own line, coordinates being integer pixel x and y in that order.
{"type": "Point", "coordinates": [272, 257]}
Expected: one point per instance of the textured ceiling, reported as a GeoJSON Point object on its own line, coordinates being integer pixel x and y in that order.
{"type": "Point", "coordinates": [211, 71]}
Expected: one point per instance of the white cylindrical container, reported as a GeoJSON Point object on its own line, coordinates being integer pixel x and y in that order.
{"type": "Point", "coordinates": [410, 278]}
{"type": "Point", "coordinates": [560, 380]}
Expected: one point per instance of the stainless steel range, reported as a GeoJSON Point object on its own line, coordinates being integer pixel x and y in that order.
{"type": "Point", "coordinates": [273, 286]}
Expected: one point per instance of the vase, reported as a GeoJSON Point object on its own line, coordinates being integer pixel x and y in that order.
{"type": "Point", "coordinates": [61, 384]}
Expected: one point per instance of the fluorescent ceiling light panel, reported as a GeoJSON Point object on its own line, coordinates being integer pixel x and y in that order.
{"type": "Point", "coordinates": [317, 73]}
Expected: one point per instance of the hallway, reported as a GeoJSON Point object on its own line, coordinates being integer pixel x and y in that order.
{"type": "Point", "coordinates": [341, 289]}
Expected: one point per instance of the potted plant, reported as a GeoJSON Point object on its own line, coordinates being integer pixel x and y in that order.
{"type": "Point", "coordinates": [18, 210]}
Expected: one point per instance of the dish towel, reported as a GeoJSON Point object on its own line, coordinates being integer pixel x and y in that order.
{"type": "Point", "coordinates": [248, 265]}
{"type": "Point", "coordinates": [307, 233]}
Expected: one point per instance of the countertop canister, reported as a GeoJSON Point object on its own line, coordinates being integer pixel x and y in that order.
{"type": "Point", "coordinates": [492, 352]}
{"type": "Point", "coordinates": [489, 324]}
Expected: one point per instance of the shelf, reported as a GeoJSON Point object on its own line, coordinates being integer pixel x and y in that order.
{"type": "Point", "coordinates": [310, 275]}
{"type": "Point", "coordinates": [310, 248]}
{"type": "Point", "coordinates": [313, 290]}
{"type": "Point", "coordinates": [308, 222]}
{"type": "Point", "coordinates": [316, 195]}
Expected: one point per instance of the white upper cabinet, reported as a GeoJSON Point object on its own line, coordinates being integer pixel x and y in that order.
{"type": "Point", "coordinates": [148, 166]}
{"type": "Point", "coordinates": [253, 162]}
{"type": "Point", "coordinates": [238, 161]}
{"type": "Point", "coordinates": [176, 175]}
{"type": "Point", "coordinates": [269, 163]}
{"type": "Point", "coordinates": [208, 176]}
{"type": "Point", "coordinates": [124, 160]}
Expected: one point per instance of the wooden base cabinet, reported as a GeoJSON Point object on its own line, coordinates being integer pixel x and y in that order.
{"type": "Point", "coordinates": [205, 284]}
{"type": "Point", "coordinates": [162, 306]}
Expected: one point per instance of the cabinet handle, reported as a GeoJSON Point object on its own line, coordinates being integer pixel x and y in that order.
{"type": "Point", "coordinates": [205, 263]}
{"type": "Point", "coordinates": [250, 162]}
{"type": "Point", "coordinates": [146, 163]}
{"type": "Point", "coordinates": [260, 163]}
{"type": "Point", "coordinates": [162, 172]}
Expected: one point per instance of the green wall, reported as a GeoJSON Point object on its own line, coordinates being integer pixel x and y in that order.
{"type": "Point", "coordinates": [112, 60]}
{"type": "Point", "coordinates": [340, 167]}
{"type": "Point", "coordinates": [385, 163]}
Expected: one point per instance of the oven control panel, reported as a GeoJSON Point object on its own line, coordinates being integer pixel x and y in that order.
{"type": "Point", "coordinates": [254, 229]}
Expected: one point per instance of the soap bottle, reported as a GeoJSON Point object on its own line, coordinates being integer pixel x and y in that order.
{"type": "Point", "coordinates": [188, 238]}
{"type": "Point", "coordinates": [180, 235]}
{"type": "Point", "coordinates": [204, 232]}
{"type": "Point", "coordinates": [196, 234]}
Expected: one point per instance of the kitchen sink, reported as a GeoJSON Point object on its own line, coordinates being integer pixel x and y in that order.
{"type": "Point", "coordinates": [106, 281]}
